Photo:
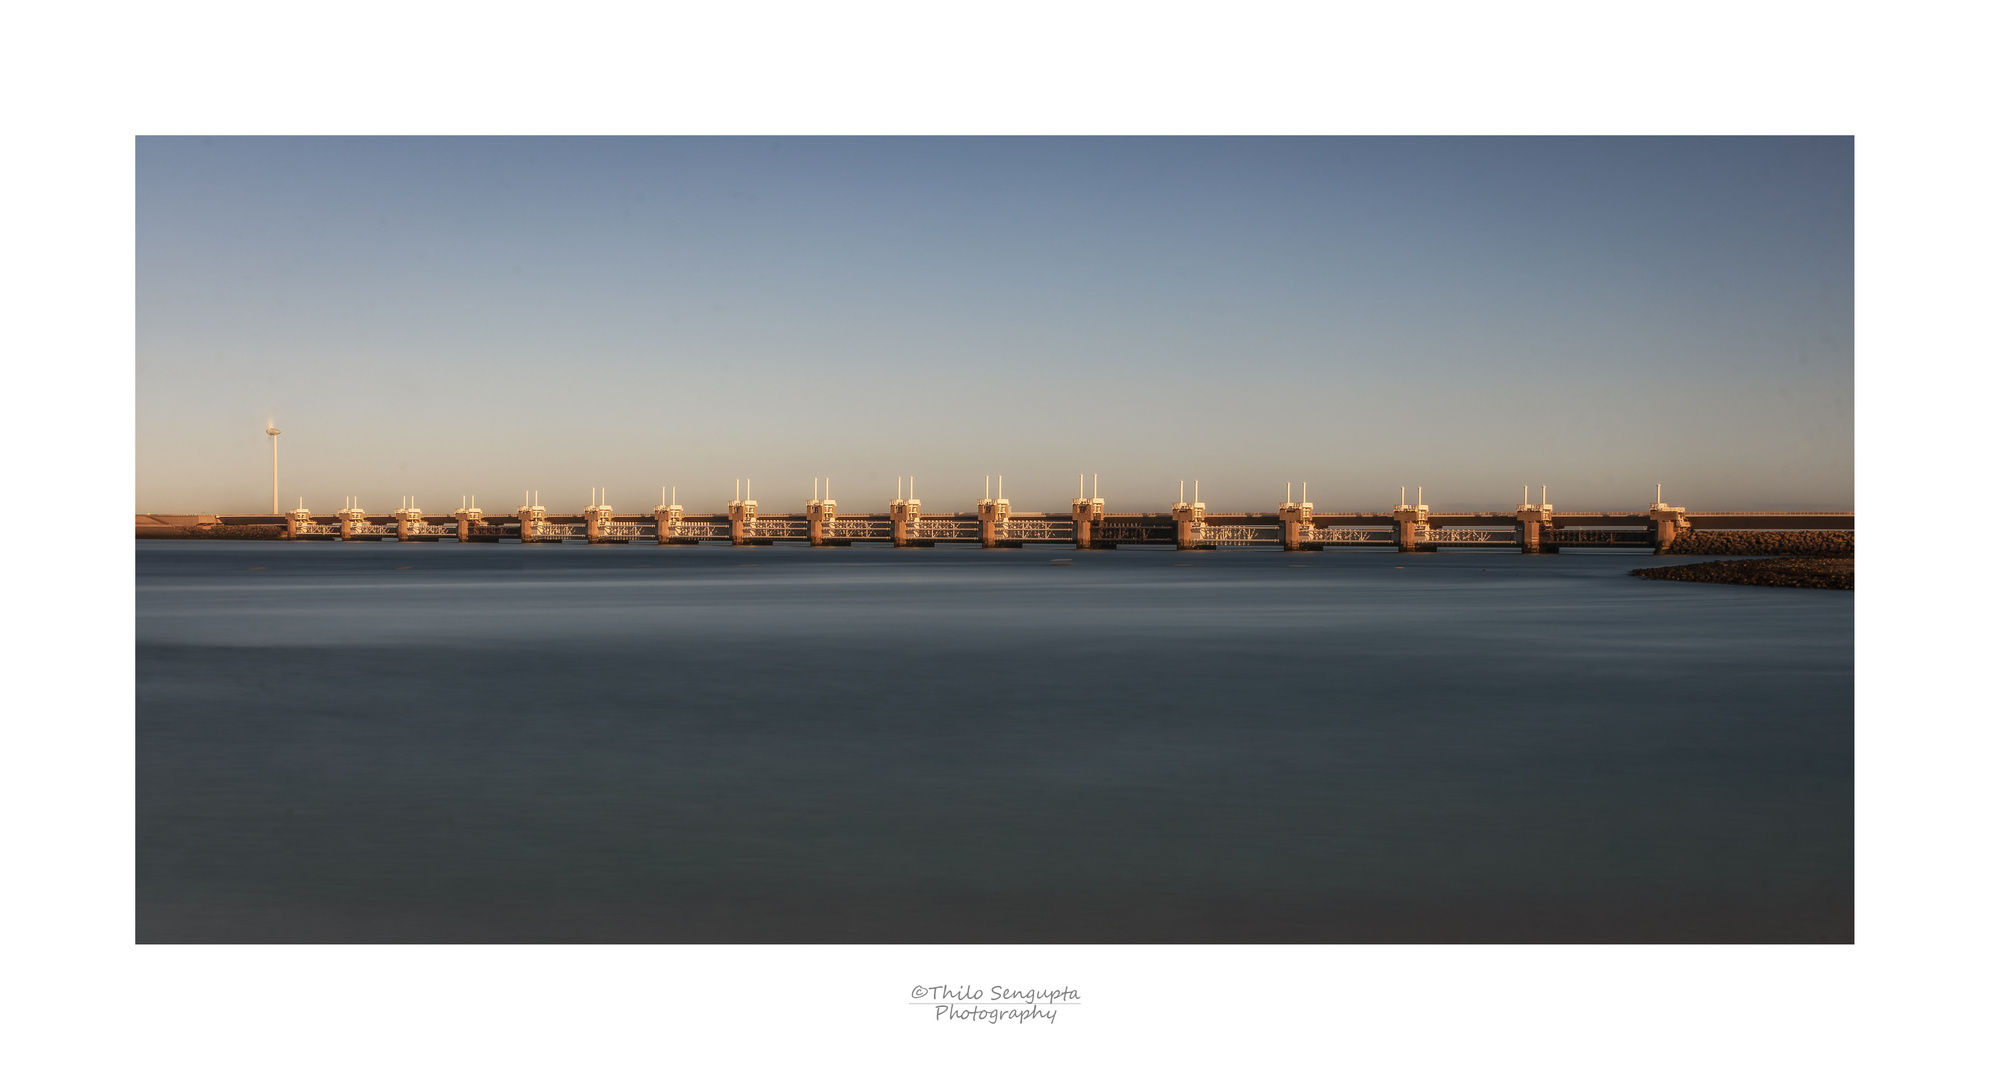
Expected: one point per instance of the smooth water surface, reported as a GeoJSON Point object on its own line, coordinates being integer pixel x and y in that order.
{"type": "Point", "coordinates": [441, 742]}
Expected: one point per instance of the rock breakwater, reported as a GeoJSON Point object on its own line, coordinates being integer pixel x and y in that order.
{"type": "Point", "coordinates": [211, 531]}
{"type": "Point", "coordinates": [1784, 573]}
{"type": "Point", "coordinates": [1813, 543]}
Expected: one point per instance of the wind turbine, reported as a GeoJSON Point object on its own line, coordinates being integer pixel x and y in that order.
{"type": "Point", "coordinates": [273, 433]}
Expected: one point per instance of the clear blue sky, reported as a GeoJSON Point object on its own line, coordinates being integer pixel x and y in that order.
{"type": "Point", "coordinates": [437, 317]}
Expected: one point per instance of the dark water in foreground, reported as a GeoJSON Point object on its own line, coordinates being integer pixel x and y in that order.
{"type": "Point", "coordinates": [563, 743]}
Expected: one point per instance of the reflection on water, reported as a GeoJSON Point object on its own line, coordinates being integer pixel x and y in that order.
{"type": "Point", "coordinates": [383, 742]}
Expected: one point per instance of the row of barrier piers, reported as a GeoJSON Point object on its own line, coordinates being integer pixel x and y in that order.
{"type": "Point", "coordinates": [1296, 526]}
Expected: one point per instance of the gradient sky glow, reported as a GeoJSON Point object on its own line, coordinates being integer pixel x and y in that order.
{"type": "Point", "coordinates": [437, 317]}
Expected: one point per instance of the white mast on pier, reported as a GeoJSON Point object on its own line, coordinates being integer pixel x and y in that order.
{"type": "Point", "coordinates": [273, 433]}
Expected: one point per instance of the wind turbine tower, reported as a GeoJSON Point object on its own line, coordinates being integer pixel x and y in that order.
{"type": "Point", "coordinates": [273, 433]}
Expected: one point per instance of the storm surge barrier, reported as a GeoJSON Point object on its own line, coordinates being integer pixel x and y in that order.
{"type": "Point", "coordinates": [1533, 528]}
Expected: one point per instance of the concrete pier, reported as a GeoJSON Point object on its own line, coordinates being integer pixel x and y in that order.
{"type": "Point", "coordinates": [904, 516]}
{"type": "Point", "coordinates": [1412, 526]}
{"type": "Point", "coordinates": [471, 528]}
{"type": "Point", "coordinates": [531, 522]}
{"type": "Point", "coordinates": [822, 517]}
{"type": "Point", "coordinates": [408, 526]}
{"type": "Point", "coordinates": [1295, 524]}
{"type": "Point", "coordinates": [1189, 518]}
{"type": "Point", "coordinates": [993, 514]}
{"type": "Point", "coordinates": [599, 520]}
{"type": "Point", "coordinates": [1667, 523]}
{"type": "Point", "coordinates": [668, 517]}
{"type": "Point", "coordinates": [741, 515]}
{"type": "Point", "coordinates": [1534, 521]}
{"type": "Point", "coordinates": [352, 524]}
{"type": "Point", "coordinates": [1086, 516]}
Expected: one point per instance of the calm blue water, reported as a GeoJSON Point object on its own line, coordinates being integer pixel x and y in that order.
{"type": "Point", "coordinates": [432, 742]}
